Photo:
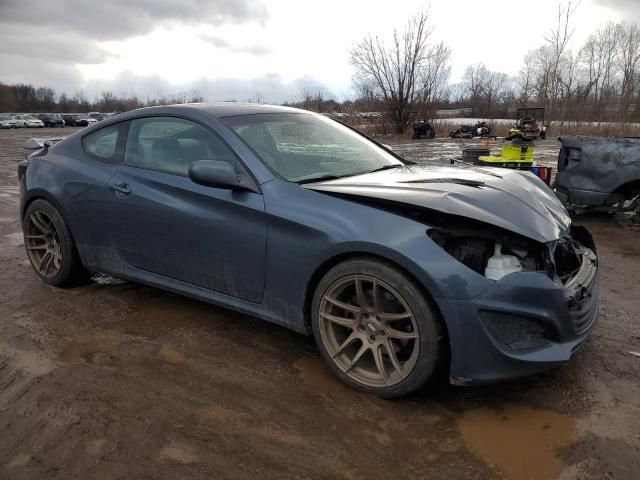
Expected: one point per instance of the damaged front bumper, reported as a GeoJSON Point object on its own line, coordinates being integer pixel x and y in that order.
{"type": "Point", "coordinates": [524, 323]}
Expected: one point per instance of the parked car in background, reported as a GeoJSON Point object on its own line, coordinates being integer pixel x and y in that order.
{"type": "Point", "coordinates": [97, 115]}
{"type": "Point", "coordinates": [29, 121]}
{"type": "Point", "coordinates": [599, 172]}
{"type": "Point", "coordinates": [86, 119]}
{"type": "Point", "coordinates": [7, 121]}
{"type": "Point", "coordinates": [77, 119]}
{"type": "Point", "coordinates": [395, 268]}
{"type": "Point", "coordinates": [52, 120]}
{"type": "Point", "coordinates": [70, 119]}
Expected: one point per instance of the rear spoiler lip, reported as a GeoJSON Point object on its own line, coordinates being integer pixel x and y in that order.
{"type": "Point", "coordinates": [37, 143]}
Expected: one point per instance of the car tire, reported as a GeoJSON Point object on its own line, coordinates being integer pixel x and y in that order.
{"type": "Point", "coordinates": [50, 247]}
{"type": "Point", "coordinates": [402, 338]}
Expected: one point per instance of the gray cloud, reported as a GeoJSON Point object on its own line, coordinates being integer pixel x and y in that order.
{"type": "Point", "coordinates": [254, 49]}
{"type": "Point", "coordinates": [39, 72]}
{"type": "Point", "coordinates": [40, 43]}
{"type": "Point", "coordinates": [628, 10]}
{"type": "Point", "coordinates": [270, 88]}
{"type": "Point", "coordinates": [118, 19]}
{"type": "Point", "coordinates": [69, 31]}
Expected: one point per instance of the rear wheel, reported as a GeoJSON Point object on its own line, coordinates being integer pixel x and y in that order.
{"type": "Point", "coordinates": [376, 330]}
{"type": "Point", "coordinates": [50, 247]}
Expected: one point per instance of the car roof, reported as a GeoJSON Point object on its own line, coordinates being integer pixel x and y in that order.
{"type": "Point", "coordinates": [223, 109]}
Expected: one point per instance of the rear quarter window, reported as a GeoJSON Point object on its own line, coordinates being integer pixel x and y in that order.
{"type": "Point", "coordinates": [105, 145]}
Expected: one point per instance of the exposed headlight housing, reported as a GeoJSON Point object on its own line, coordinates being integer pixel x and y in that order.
{"type": "Point", "coordinates": [491, 251]}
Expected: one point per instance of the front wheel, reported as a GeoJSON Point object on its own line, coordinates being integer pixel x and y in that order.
{"type": "Point", "coordinates": [375, 328]}
{"type": "Point", "coordinates": [50, 247]}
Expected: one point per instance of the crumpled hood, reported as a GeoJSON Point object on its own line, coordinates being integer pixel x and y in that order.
{"type": "Point", "coordinates": [513, 200]}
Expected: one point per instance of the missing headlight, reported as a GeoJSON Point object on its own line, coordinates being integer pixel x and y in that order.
{"type": "Point", "coordinates": [474, 247]}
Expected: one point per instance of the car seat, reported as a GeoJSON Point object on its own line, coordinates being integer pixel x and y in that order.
{"type": "Point", "coordinates": [166, 154]}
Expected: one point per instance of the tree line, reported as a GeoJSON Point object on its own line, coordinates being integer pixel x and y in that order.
{"type": "Point", "coordinates": [27, 98]}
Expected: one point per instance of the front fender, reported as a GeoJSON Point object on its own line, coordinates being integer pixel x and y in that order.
{"type": "Point", "coordinates": [308, 231]}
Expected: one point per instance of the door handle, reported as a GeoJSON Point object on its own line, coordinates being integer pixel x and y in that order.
{"type": "Point", "coordinates": [121, 188]}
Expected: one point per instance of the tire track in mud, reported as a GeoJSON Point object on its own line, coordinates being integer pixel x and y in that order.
{"type": "Point", "coordinates": [38, 422]}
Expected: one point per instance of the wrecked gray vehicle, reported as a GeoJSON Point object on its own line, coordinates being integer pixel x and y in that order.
{"type": "Point", "coordinates": [599, 172]}
{"type": "Point", "coordinates": [396, 269]}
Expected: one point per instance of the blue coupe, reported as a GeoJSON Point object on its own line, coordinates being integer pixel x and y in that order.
{"type": "Point", "coordinates": [396, 269]}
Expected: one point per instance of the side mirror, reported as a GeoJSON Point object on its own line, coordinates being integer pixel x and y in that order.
{"type": "Point", "coordinates": [214, 173]}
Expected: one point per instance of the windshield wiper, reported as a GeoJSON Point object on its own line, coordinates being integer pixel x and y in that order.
{"type": "Point", "coordinates": [320, 179]}
{"type": "Point", "coordinates": [335, 177]}
{"type": "Point", "coordinates": [387, 167]}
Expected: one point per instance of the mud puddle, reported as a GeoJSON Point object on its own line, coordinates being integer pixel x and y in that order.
{"type": "Point", "coordinates": [515, 441]}
{"type": "Point", "coordinates": [172, 356]}
{"type": "Point", "coordinates": [84, 349]}
{"type": "Point", "coordinates": [177, 453]}
{"type": "Point", "coordinates": [314, 373]}
{"type": "Point", "coordinates": [519, 441]}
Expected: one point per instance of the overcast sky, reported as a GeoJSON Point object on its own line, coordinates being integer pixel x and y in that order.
{"type": "Point", "coordinates": [235, 49]}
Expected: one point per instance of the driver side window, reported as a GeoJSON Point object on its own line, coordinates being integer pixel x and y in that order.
{"type": "Point", "coordinates": [169, 144]}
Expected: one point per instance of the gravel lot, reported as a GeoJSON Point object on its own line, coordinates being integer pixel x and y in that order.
{"type": "Point", "coordinates": [116, 380]}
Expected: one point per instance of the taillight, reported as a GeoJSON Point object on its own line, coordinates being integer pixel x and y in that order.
{"type": "Point", "coordinates": [543, 173]}
{"type": "Point", "coordinates": [22, 168]}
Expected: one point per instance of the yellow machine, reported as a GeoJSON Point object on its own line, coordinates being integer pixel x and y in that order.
{"type": "Point", "coordinates": [516, 153]}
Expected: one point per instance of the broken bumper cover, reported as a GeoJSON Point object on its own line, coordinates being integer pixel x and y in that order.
{"type": "Point", "coordinates": [524, 324]}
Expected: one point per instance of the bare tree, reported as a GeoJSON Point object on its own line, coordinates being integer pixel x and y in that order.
{"type": "Point", "coordinates": [434, 77]}
{"type": "Point", "coordinates": [473, 79]}
{"type": "Point", "coordinates": [567, 82]}
{"type": "Point", "coordinates": [591, 59]}
{"type": "Point", "coordinates": [630, 59]}
{"type": "Point", "coordinates": [526, 78]}
{"type": "Point", "coordinates": [314, 98]}
{"type": "Point", "coordinates": [397, 73]}
{"type": "Point", "coordinates": [484, 87]}
{"type": "Point", "coordinates": [557, 42]}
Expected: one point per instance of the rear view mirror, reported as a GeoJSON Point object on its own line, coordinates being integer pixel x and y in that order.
{"type": "Point", "coordinates": [214, 173]}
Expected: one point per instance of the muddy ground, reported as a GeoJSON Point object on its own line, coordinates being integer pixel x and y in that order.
{"type": "Point", "coordinates": [117, 380]}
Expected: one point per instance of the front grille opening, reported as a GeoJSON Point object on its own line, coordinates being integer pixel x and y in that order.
{"type": "Point", "coordinates": [515, 332]}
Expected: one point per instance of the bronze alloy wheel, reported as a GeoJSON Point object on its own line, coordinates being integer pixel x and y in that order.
{"type": "Point", "coordinates": [43, 244]}
{"type": "Point", "coordinates": [369, 331]}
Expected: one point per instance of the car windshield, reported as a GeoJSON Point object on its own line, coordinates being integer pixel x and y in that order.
{"type": "Point", "coordinates": [305, 147]}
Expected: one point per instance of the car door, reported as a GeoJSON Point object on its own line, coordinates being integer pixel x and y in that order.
{"type": "Point", "coordinates": [81, 170]}
{"type": "Point", "coordinates": [166, 224]}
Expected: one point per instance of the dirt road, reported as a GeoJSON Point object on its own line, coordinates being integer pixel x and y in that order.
{"type": "Point", "coordinates": [116, 380]}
